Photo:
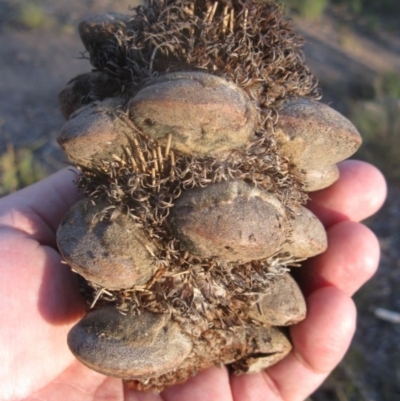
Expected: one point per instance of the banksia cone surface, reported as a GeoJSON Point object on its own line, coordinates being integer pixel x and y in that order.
{"type": "Point", "coordinates": [198, 135]}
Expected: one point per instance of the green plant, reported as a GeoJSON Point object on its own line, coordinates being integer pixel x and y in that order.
{"type": "Point", "coordinates": [356, 6]}
{"type": "Point", "coordinates": [18, 168]}
{"type": "Point", "coordinates": [32, 15]}
{"type": "Point", "coordinates": [389, 84]}
{"type": "Point", "coordinates": [379, 123]}
{"type": "Point", "coordinates": [308, 9]}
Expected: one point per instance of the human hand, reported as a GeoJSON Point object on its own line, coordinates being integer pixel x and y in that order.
{"type": "Point", "coordinates": [40, 301]}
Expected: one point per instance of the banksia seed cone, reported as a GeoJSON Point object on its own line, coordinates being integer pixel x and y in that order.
{"type": "Point", "coordinates": [198, 135]}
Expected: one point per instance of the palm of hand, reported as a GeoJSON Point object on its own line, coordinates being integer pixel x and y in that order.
{"type": "Point", "coordinates": [41, 301]}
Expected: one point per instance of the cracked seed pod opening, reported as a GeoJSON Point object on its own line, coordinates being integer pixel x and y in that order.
{"type": "Point", "coordinates": [198, 135]}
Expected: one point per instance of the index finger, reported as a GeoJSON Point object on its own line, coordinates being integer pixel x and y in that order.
{"type": "Point", "coordinates": [358, 194]}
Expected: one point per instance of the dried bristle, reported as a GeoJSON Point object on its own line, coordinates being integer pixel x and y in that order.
{"type": "Point", "coordinates": [247, 42]}
{"type": "Point", "coordinates": [251, 44]}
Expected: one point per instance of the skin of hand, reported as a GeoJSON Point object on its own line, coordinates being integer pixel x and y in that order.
{"type": "Point", "coordinates": [40, 301]}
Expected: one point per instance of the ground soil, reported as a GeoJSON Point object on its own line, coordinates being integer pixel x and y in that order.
{"type": "Point", "coordinates": [36, 63]}
{"type": "Point", "coordinates": [344, 56]}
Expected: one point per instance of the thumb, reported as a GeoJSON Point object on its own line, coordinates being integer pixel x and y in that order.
{"type": "Point", "coordinates": [38, 209]}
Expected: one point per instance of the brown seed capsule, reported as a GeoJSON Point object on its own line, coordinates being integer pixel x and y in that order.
{"type": "Point", "coordinates": [114, 255]}
{"type": "Point", "coordinates": [313, 135]}
{"type": "Point", "coordinates": [282, 304]}
{"type": "Point", "coordinates": [231, 221]}
{"type": "Point", "coordinates": [269, 345]}
{"type": "Point", "coordinates": [308, 235]}
{"type": "Point", "coordinates": [205, 114]}
{"type": "Point", "coordinates": [99, 30]}
{"type": "Point", "coordinates": [321, 178]}
{"type": "Point", "coordinates": [128, 346]}
{"type": "Point", "coordinates": [94, 133]}
{"type": "Point", "coordinates": [85, 88]}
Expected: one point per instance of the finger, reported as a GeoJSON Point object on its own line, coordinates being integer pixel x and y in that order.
{"type": "Point", "coordinates": [134, 395]}
{"type": "Point", "coordinates": [319, 343]}
{"type": "Point", "coordinates": [358, 194]}
{"type": "Point", "coordinates": [38, 209]}
{"type": "Point", "coordinates": [254, 387]}
{"type": "Point", "coordinates": [40, 302]}
{"type": "Point", "coordinates": [78, 382]}
{"type": "Point", "coordinates": [211, 385]}
{"type": "Point", "coordinates": [351, 259]}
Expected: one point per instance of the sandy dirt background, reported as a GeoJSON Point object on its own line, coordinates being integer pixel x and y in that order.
{"type": "Point", "coordinates": [40, 52]}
